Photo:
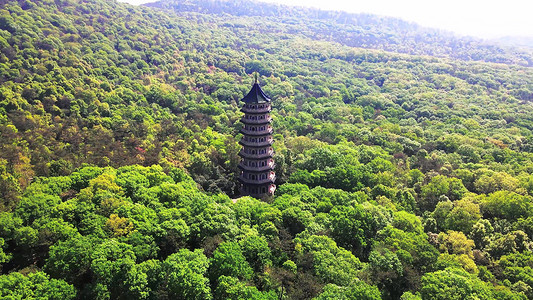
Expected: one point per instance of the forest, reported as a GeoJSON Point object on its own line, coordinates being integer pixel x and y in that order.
{"type": "Point", "coordinates": [404, 155]}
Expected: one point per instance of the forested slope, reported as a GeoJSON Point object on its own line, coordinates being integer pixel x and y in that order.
{"type": "Point", "coordinates": [358, 30]}
{"type": "Point", "coordinates": [398, 174]}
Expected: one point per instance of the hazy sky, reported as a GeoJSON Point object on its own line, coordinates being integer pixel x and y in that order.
{"type": "Point", "coordinates": [486, 19]}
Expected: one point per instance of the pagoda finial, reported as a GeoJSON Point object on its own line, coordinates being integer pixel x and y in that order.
{"type": "Point", "coordinates": [255, 75]}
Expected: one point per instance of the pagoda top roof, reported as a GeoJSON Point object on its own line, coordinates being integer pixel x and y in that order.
{"type": "Point", "coordinates": [256, 95]}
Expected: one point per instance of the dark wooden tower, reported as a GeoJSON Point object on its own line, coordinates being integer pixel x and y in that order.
{"type": "Point", "coordinates": [257, 163]}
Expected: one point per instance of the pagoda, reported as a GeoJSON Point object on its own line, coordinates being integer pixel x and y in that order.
{"type": "Point", "coordinates": [257, 163]}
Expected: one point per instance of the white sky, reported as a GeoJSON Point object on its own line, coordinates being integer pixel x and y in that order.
{"type": "Point", "coordinates": [485, 19]}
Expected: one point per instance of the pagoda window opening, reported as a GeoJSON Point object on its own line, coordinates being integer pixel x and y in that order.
{"type": "Point", "coordinates": [263, 176]}
{"type": "Point", "coordinates": [263, 164]}
{"type": "Point", "coordinates": [264, 189]}
{"type": "Point", "coordinates": [253, 151]}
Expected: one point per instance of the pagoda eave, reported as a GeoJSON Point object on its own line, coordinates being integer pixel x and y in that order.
{"type": "Point", "coordinates": [255, 145]}
{"type": "Point", "coordinates": [256, 169]}
{"type": "Point", "coordinates": [258, 182]}
{"type": "Point", "coordinates": [256, 133]}
{"type": "Point", "coordinates": [256, 122]}
{"type": "Point", "coordinates": [255, 157]}
{"type": "Point", "coordinates": [259, 111]}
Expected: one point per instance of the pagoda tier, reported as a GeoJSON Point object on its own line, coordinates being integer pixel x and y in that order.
{"type": "Point", "coordinates": [257, 142]}
{"type": "Point", "coordinates": [255, 154]}
{"type": "Point", "coordinates": [256, 119]}
{"type": "Point", "coordinates": [257, 165]}
{"type": "Point", "coordinates": [256, 130]}
{"type": "Point", "coordinates": [254, 111]}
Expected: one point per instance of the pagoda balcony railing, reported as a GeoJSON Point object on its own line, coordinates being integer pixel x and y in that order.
{"type": "Point", "coordinates": [270, 179]}
{"type": "Point", "coordinates": [267, 131]}
{"type": "Point", "coordinates": [256, 110]}
{"type": "Point", "coordinates": [269, 166]}
{"type": "Point", "coordinates": [267, 142]}
{"type": "Point", "coordinates": [256, 156]}
{"type": "Point", "coordinates": [257, 121]}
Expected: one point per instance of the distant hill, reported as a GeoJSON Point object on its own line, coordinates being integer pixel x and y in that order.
{"type": "Point", "coordinates": [357, 30]}
{"type": "Point", "coordinates": [519, 41]}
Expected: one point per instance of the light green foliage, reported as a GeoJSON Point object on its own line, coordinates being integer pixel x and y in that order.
{"type": "Point", "coordinates": [358, 290]}
{"type": "Point", "coordinates": [387, 271]}
{"type": "Point", "coordinates": [352, 227]}
{"type": "Point", "coordinates": [320, 159]}
{"type": "Point", "coordinates": [481, 233]}
{"type": "Point", "coordinates": [453, 283]}
{"type": "Point", "coordinates": [512, 242]}
{"type": "Point", "coordinates": [407, 222]}
{"type": "Point", "coordinates": [496, 181]}
{"type": "Point", "coordinates": [9, 187]}
{"type": "Point", "coordinates": [256, 251]}
{"type": "Point", "coordinates": [331, 263]}
{"type": "Point", "coordinates": [185, 274]}
{"type": "Point", "coordinates": [34, 286]}
{"type": "Point", "coordinates": [518, 267]}
{"type": "Point", "coordinates": [508, 205]}
{"type": "Point", "coordinates": [228, 260]}
{"type": "Point", "coordinates": [463, 216]}
{"type": "Point", "coordinates": [460, 215]}
{"type": "Point", "coordinates": [4, 257]}
{"type": "Point", "coordinates": [231, 288]}
{"type": "Point", "coordinates": [413, 249]}
{"type": "Point", "coordinates": [441, 185]}
{"type": "Point", "coordinates": [455, 242]}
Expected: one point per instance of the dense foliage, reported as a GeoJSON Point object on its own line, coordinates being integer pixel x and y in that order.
{"type": "Point", "coordinates": [400, 176]}
{"type": "Point", "coordinates": [360, 30]}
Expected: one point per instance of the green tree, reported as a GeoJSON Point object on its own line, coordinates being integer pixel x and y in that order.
{"type": "Point", "coordinates": [453, 283]}
{"type": "Point", "coordinates": [36, 285]}
{"type": "Point", "coordinates": [440, 185]}
{"type": "Point", "coordinates": [186, 275]}
{"type": "Point", "coordinates": [353, 228]}
{"type": "Point", "coordinates": [256, 251]}
{"type": "Point", "coordinates": [229, 260]}
{"type": "Point", "coordinates": [358, 290]}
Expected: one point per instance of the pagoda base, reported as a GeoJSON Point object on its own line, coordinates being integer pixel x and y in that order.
{"type": "Point", "coordinates": [258, 191]}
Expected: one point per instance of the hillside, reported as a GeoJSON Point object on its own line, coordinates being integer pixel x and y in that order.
{"type": "Point", "coordinates": [518, 41]}
{"type": "Point", "coordinates": [399, 174]}
{"type": "Point", "coordinates": [356, 30]}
